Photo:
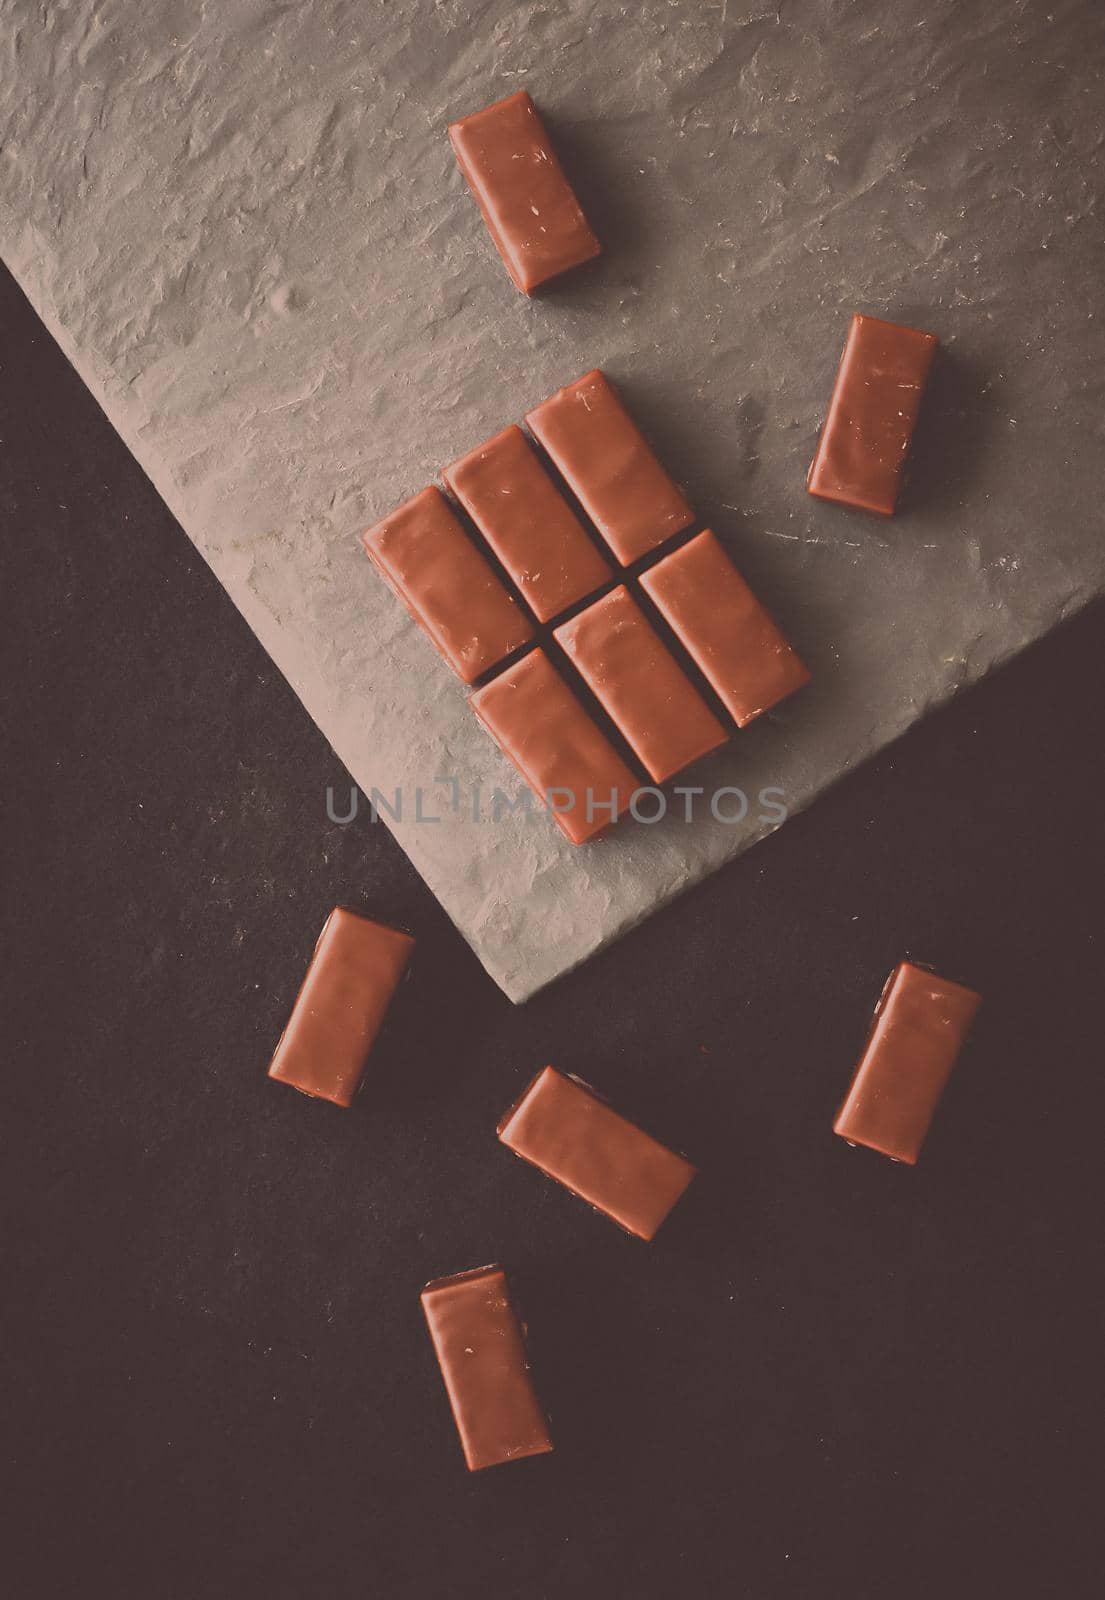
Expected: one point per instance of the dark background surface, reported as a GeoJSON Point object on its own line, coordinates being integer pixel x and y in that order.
{"type": "Point", "coordinates": [829, 1376]}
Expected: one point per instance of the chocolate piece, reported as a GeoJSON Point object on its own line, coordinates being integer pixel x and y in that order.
{"type": "Point", "coordinates": [538, 723]}
{"type": "Point", "coordinates": [610, 468]}
{"type": "Point", "coordinates": [875, 402]}
{"type": "Point", "coordinates": [447, 585]}
{"type": "Point", "coordinates": [481, 1350]}
{"type": "Point", "coordinates": [657, 709]}
{"type": "Point", "coordinates": [353, 974]}
{"type": "Point", "coordinates": [527, 202]}
{"type": "Point", "coordinates": [919, 1025]}
{"type": "Point", "coordinates": [562, 1127]}
{"type": "Point", "coordinates": [724, 628]}
{"type": "Point", "coordinates": [528, 523]}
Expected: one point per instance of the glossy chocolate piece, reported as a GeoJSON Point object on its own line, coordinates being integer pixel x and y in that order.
{"type": "Point", "coordinates": [447, 585]}
{"type": "Point", "coordinates": [341, 1007]}
{"type": "Point", "coordinates": [538, 723]}
{"type": "Point", "coordinates": [528, 523]}
{"type": "Point", "coordinates": [562, 1127]}
{"type": "Point", "coordinates": [919, 1025]}
{"type": "Point", "coordinates": [610, 467]}
{"type": "Point", "coordinates": [724, 629]}
{"type": "Point", "coordinates": [481, 1351]}
{"type": "Point", "coordinates": [528, 204]}
{"type": "Point", "coordinates": [625, 664]}
{"type": "Point", "coordinates": [876, 398]}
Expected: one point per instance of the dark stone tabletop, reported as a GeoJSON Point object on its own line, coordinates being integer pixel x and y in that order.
{"type": "Point", "coordinates": [829, 1376]}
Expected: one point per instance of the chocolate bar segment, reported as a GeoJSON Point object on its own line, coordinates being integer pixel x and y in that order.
{"type": "Point", "coordinates": [527, 202]}
{"type": "Point", "coordinates": [724, 629]}
{"type": "Point", "coordinates": [874, 407]}
{"type": "Point", "coordinates": [353, 974]}
{"type": "Point", "coordinates": [528, 523]}
{"type": "Point", "coordinates": [447, 585]}
{"type": "Point", "coordinates": [481, 1351]}
{"type": "Point", "coordinates": [538, 723]}
{"type": "Point", "coordinates": [562, 1127]}
{"type": "Point", "coordinates": [919, 1025]}
{"type": "Point", "coordinates": [630, 670]}
{"type": "Point", "coordinates": [609, 467]}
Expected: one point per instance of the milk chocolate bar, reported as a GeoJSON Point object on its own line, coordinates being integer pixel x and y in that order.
{"type": "Point", "coordinates": [447, 585]}
{"type": "Point", "coordinates": [538, 723]}
{"type": "Point", "coordinates": [562, 1127]}
{"type": "Point", "coordinates": [528, 523]}
{"type": "Point", "coordinates": [481, 1351]}
{"type": "Point", "coordinates": [527, 203]}
{"type": "Point", "coordinates": [919, 1025]}
{"type": "Point", "coordinates": [353, 974]}
{"type": "Point", "coordinates": [657, 709]}
{"type": "Point", "coordinates": [874, 407]}
{"type": "Point", "coordinates": [724, 629]}
{"type": "Point", "coordinates": [610, 468]}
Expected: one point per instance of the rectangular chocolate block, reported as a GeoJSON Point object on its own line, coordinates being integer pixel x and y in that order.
{"type": "Point", "coordinates": [341, 1007]}
{"type": "Point", "coordinates": [609, 467]}
{"type": "Point", "coordinates": [538, 723]}
{"type": "Point", "coordinates": [528, 204]}
{"type": "Point", "coordinates": [724, 629]}
{"type": "Point", "coordinates": [447, 585]}
{"type": "Point", "coordinates": [562, 1127]}
{"type": "Point", "coordinates": [876, 398]}
{"type": "Point", "coordinates": [481, 1351]}
{"type": "Point", "coordinates": [528, 523]}
{"type": "Point", "coordinates": [625, 664]}
{"type": "Point", "coordinates": [919, 1025]}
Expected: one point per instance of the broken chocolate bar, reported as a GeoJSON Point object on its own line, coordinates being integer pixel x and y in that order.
{"type": "Point", "coordinates": [447, 585]}
{"type": "Point", "coordinates": [656, 708]}
{"type": "Point", "coordinates": [609, 466]}
{"type": "Point", "coordinates": [528, 523]}
{"type": "Point", "coordinates": [538, 723]}
{"type": "Point", "coordinates": [353, 974]}
{"type": "Point", "coordinates": [527, 203]}
{"type": "Point", "coordinates": [919, 1025]}
{"type": "Point", "coordinates": [724, 629]}
{"type": "Point", "coordinates": [481, 1351]}
{"type": "Point", "coordinates": [873, 409]}
{"type": "Point", "coordinates": [562, 1127]}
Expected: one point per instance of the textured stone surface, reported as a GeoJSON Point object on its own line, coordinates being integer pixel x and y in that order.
{"type": "Point", "coordinates": [245, 227]}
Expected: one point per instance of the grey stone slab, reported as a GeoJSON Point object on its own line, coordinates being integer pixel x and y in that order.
{"type": "Point", "coordinates": [244, 225]}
